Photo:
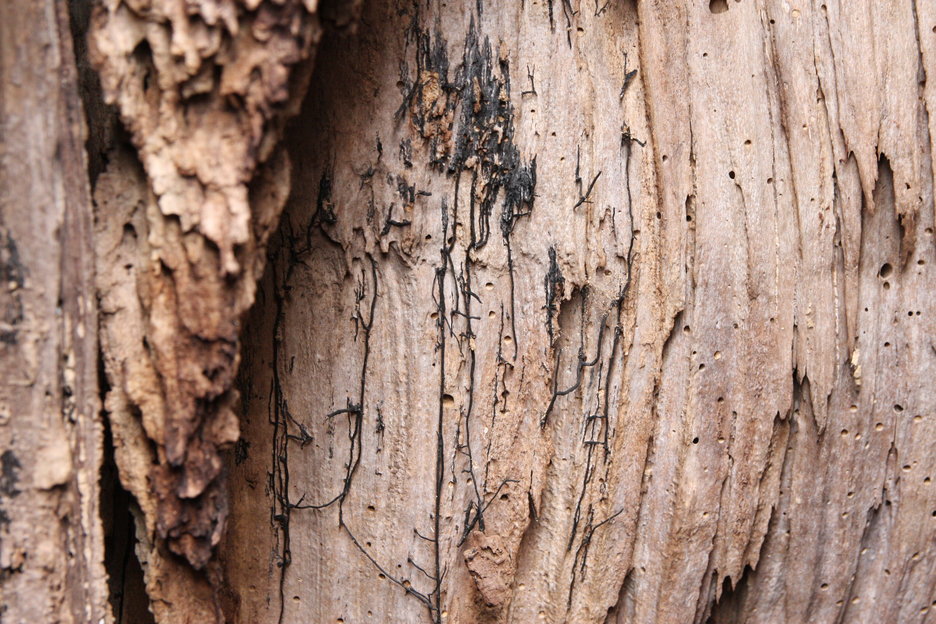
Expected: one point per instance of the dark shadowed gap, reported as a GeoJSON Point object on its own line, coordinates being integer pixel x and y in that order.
{"type": "Point", "coordinates": [126, 587]}
{"type": "Point", "coordinates": [732, 605]}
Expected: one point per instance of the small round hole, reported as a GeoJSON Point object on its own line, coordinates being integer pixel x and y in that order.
{"type": "Point", "coordinates": [718, 6]}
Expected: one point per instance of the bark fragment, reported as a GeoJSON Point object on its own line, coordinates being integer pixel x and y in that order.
{"type": "Point", "coordinates": [204, 89]}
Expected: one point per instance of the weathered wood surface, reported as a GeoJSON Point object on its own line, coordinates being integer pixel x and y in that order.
{"type": "Point", "coordinates": [203, 89]}
{"type": "Point", "coordinates": [648, 284]}
{"type": "Point", "coordinates": [51, 538]}
{"type": "Point", "coordinates": [578, 312]}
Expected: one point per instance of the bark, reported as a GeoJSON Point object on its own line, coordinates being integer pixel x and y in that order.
{"type": "Point", "coordinates": [51, 538]}
{"type": "Point", "coordinates": [536, 311]}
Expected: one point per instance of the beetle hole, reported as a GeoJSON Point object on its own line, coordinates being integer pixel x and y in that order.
{"type": "Point", "coordinates": [718, 6]}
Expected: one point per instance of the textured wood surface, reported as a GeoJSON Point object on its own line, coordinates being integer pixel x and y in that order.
{"type": "Point", "coordinates": [615, 313]}
{"type": "Point", "coordinates": [51, 538]}
{"type": "Point", "coordinates": [203, 89]}
{"type": "Point", "coordinates": [573, 311]}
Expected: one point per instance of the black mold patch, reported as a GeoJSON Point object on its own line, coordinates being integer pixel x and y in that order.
{"type": "Point", "coordinates": [484, 139]}
{"type": "Point", "coordinates": [9, 473]}
{"type": "Point", "coordinates": [13, 277]}
{"type": "Point", "coordinates": [11, 267]}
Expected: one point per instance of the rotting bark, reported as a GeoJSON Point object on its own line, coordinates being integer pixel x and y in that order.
{"type": "Point", "coordinates": [204, 89]}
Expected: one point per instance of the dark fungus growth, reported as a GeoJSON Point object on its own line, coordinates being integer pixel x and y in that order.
{"type": "Point", "coordinates": [554, 285]}
{"type": "Point", "coordinates": [324, 209]}
{"type": "Point", "coordinates": [468, 122]}
{"type": "Point", "coordinates": [9, 474]}
{"type": "Point", "coordinates": [13, 274]}
{"type": "Point", "coordinates": [484, 145]}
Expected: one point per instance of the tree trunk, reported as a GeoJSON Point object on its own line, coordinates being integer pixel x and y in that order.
{"type": "Point", "coordinates": [535, 311]}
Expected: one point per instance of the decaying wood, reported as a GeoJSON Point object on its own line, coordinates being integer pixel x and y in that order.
{"type": "Point", "coordinates": [616, 313]}
{"type": "Point", "coordinates": [203, 88]}
{"type": "Point", "coordinates": [571, 312]}
{"type": "Point", "coordinates": [51, 540]}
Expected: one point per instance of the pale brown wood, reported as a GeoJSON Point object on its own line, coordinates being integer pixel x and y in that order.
{"type": "Point", "coordinates": [747, 290]}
